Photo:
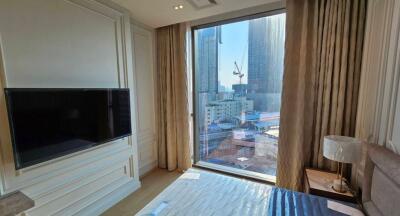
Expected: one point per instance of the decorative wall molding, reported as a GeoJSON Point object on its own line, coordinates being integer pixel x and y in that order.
{"type": "Point", "coordinates": [90, 181]}
{"type": "Point", "coordinates": [145, 168]}
{"type": "Point", "coordinates": [147, 151]}
{"type": "Point", "coordinates": [110, 199]}
{"type": "Point", "coordinates": [2, 85]}
{"type": "Point", "coordinates": [143, 39]}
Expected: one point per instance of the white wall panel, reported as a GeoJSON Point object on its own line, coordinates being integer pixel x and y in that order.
{"type": "Point", "coordinates": [143, 40]}
{"type": "Point", "coordinates": [78, 40]}
{"type": "Point", "coordinates": [65, 44]}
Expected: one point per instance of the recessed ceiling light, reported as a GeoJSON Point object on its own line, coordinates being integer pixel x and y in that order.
{"type": "Point", "coordinates": [177, 7]}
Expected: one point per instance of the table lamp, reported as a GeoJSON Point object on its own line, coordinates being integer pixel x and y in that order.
{"type": "Point", "coordinates": [343, 150]}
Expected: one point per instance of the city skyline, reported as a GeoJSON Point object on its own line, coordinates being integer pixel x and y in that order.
{"type": "Point", "coordinates": [239, 69]}
{"type": "Point", "coordinates": [235, 46]}
{"type": "Point", "coordinates": [261, 65]}
{"type": "Point", "coordinates": [256, 78]}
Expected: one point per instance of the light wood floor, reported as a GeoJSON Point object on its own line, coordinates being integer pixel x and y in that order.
{"type": "Point", "coordinates": [152, 184]}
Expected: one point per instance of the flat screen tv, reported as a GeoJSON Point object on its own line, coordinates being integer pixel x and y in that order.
{"type": "Point", "coordinates": [50, 123]}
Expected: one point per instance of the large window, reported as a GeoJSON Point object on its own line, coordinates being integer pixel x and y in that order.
{"type": "Point", "coordinates": [238, 85]}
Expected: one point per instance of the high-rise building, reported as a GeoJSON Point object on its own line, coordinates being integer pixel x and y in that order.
{"type": "Point", "coordinates": [240, 90]}
{"type": "Point", "coordinates": [206, 45]}
{"type": "Point", "coordinates": [265, 62]}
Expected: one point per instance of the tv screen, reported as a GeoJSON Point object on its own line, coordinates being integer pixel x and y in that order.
{"type": "Point", "coordinates": [49, 123]}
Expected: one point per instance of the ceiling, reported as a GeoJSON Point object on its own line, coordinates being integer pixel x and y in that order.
{"type": "Point", "coordinates": [157, 13]}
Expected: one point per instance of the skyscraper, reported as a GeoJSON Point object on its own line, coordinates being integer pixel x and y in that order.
{"type": "Point", "coordinates": [206, 45]}
{"type": "Point", "coordinates": [265, 62]}
{"type": "Point", "coordinates": [207, 41]}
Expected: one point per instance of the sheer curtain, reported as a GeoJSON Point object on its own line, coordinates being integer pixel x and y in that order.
{"type": "Point", "coordinates": [321, 79]}
{"type": "Point", "coordinates": [172, 98]}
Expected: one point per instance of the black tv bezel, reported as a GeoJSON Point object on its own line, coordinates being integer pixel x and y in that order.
{"type": "Point", "coordinates": [17, 163]}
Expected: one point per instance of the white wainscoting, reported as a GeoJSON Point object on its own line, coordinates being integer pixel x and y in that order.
{"type": "Point", "coordinates": [143, 39]}
{"type": "Point", "coordinates": [67, 44]}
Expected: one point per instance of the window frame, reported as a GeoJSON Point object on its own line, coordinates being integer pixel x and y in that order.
{"type": "Point", "coordinates": [194, 115]}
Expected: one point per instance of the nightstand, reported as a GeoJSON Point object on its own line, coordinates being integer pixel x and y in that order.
{"type": "Point", "coordinates": [319, 182]}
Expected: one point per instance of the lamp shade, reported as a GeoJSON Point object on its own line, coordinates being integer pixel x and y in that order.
{"type": "Point", "coordinates": [341, 148]}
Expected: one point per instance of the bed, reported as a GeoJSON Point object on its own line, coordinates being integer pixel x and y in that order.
{"type": "Point", "coordinates": [199, 192]}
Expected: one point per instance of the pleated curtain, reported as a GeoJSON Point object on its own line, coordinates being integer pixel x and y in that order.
{"type": "Point", "coordinates": [323, 50]}
{"type": "Point", "coordinates": [172, 98]}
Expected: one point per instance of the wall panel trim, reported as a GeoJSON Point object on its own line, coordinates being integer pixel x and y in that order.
{"type": "Point", "coordinates": [84, 175]}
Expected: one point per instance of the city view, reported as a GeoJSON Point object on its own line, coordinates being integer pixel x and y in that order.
{"type": "Point", "coordinates": [239, 71]}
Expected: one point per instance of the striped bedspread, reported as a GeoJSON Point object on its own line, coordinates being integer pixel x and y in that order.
{"type": "Point", "coordinates": [199, 192]}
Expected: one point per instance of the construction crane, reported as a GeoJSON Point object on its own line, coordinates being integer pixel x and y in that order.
{"type": "Point", "coordinates": [238, 72]}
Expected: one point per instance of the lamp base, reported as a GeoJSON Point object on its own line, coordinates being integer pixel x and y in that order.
{"type": "Point", "coordinates": [344, 190]}
{"type": "Point", "coordinates": [339, 186]}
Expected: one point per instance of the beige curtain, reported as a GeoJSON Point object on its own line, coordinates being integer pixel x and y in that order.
{"type": "Point", "coordinates": [321, 79]}
{"type": "Point", "coordinates": [172, 102]}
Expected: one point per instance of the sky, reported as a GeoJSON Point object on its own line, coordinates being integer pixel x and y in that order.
{"type": "Point", "coordinates": [234, 46]}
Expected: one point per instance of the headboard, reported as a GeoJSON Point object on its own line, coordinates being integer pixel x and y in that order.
{"type": "Point", "coordinates": [381, 186]}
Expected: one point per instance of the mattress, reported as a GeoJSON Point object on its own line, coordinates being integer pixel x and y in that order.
{"type": "Point", "coordinates": [199, 192]}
